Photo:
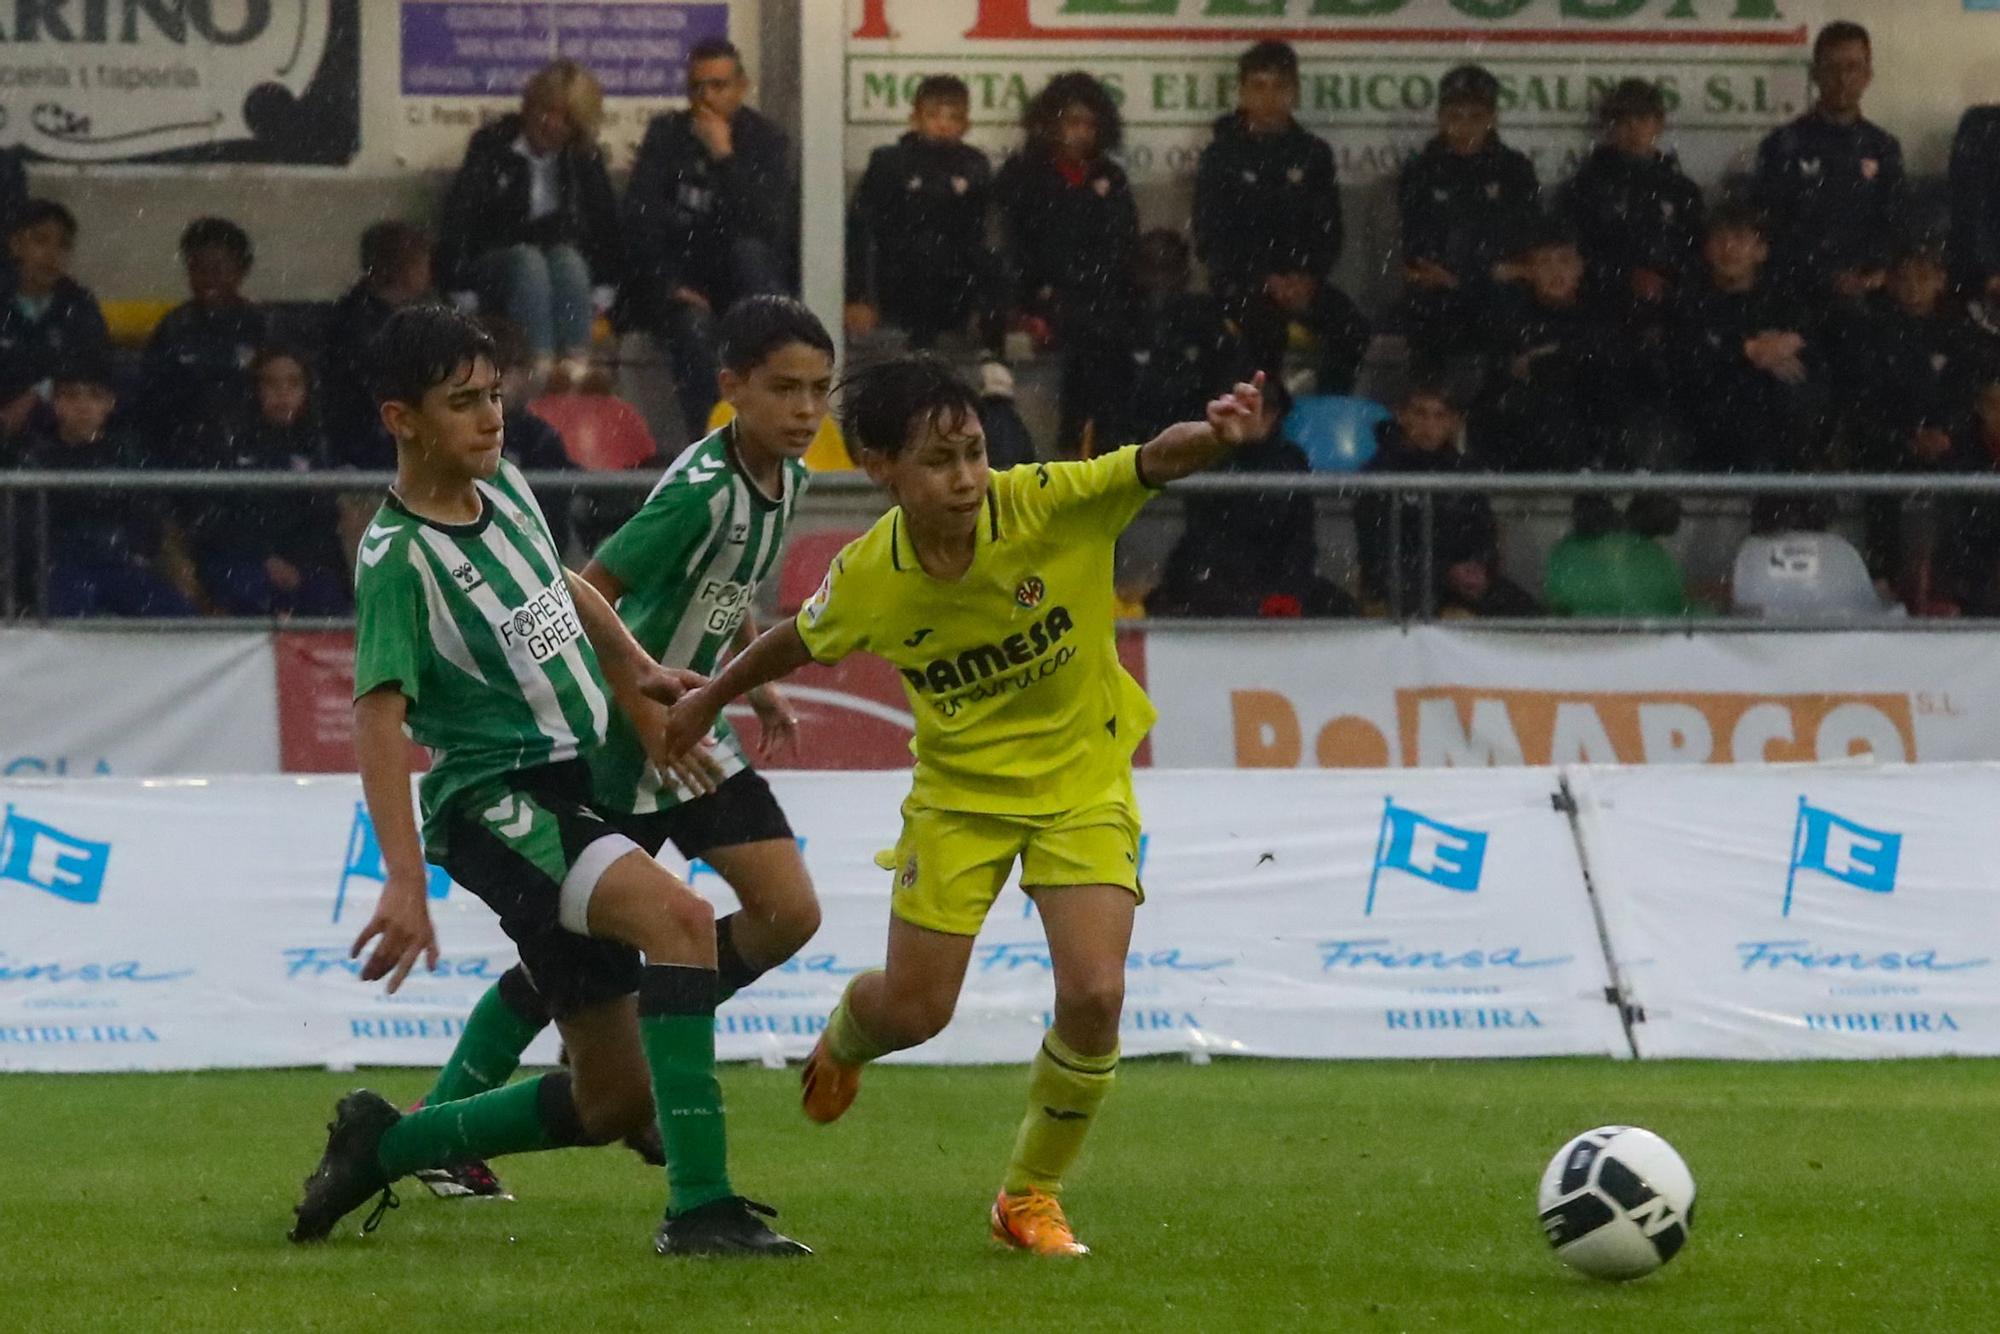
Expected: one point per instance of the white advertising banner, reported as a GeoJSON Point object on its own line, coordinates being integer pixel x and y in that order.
{"type": "Point", "coordinates": [1378, 696]}
{"type": "Point", "coordinates": [90, 703]}
{"type": "Point", "coordinates": [190, 924]}
{"type": "Point", "coordinates": [1801, 912]}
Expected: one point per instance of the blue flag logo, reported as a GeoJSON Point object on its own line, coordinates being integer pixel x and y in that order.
{"type": "Point", "coordinates": [43, 857]}
{"type": "Point", "coordinates": [1843, 850]}
{"type": "Point", "coordinates": [364, 862]}
{"type": "Point", "coordinates": [1413, 843]}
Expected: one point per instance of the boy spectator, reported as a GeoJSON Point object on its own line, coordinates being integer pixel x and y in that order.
{"type": "Point", "coordinates": [1251, 553]}
{"type": "Point", "coordinates": [395, 271]}
{"type": "Point", "coordinates": [1464, 200]}
{"type": "Point", "coordinates": [1613, 566]}
{"type": "Point", "coordinates": [1951, 565]}
{"type": "Point", "coordinates": [46, 317]}
{"type": "Point", "coordinates": [1561, 371]}
{"type": "Point", "coordinates": [106, 547]}
{"type": "Point", "coordinates": [1748, 372]}
{"type": "Point", "coordinates": [197, 386]}
{"type": "Point", "coordinates": [1267, 223]}
{"type": "Point", "coordinates": [1421, 438]}
{"type": "Point", "coordinates": [1183, 347]}
{"type": "Point", "coordinates": [1975, 204]}
{"type": "Point", "coordinates": [271, 554]}
{"type": "Point", "coordinates": [916, 232]}
{"type": "Point", "coordinates": [1636, 215]}
{"type": "Point", "coordinates": [1831, 182]}
{"type": "Point", "coordinates": [1072, 228]}
{"type": "Point", "coordinates": [1471, 586]}
{"type": "Point", "coordinates": [707, 220]}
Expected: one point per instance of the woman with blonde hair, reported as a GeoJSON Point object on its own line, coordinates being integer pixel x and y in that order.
{"type": "Point", "coordinates": [530, 226]}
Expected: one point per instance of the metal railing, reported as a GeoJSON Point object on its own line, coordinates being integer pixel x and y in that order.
{"type": "Point", "coordinates": [30, 491]}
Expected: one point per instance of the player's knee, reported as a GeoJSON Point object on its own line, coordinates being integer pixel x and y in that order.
{"type": "Point", "coordinates": [1093, 1004]}
{"type": "Point", "coordinates": [923, 1016]}
{"type": "Point", "coordinates": [609, 1114]}
{"type": "Point", "coordinates": [678, 926]}
{"type": "Point", "coordinates": [797, 923]}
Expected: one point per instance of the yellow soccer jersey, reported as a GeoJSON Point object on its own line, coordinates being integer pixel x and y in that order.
{"type": "Point", "coordinates": [1012, 671]}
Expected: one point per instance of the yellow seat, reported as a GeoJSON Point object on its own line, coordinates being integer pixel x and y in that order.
{"type": "Point", "coordinates": [827, 452]}
{"type": "Point", "coordinates": [132, 322]}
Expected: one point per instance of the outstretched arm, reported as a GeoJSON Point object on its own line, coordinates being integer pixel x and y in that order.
{"type": "Point", "coordinates": [1190, 447]}
{"type": "Point", "coordinates": [778, 652]}
{"type": "Point", "coordinates": [401, 923]}
{"type": "Point", "coordinates": [628, 668]}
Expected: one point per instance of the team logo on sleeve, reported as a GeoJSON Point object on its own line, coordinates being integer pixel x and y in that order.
{"type": "Point", "coordinates": [815, 608]}
{"type": "Point", "coordinates": [1030, 591]}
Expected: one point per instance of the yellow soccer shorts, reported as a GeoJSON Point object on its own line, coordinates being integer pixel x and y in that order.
{"type": "Point", "coordinates": [951, 865]}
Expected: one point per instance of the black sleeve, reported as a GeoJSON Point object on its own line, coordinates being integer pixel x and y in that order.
{"type": "Point", "coordinates": [461, 222]}
{"type": "Point", "coordinates": [861, 214]}
{"type": "Point", "coordinates": [1211, 222]}
{"type": "Point", "coordinates": [655, 232]}
{"type": "Point", "coordinates": [756, 180]}
{"type": "Point", "coordinates": [1328, 228]}
{"type": "Point", "coordinates": [603, 241]}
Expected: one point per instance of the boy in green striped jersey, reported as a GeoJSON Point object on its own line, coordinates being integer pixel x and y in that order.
{"type": "Point", "coordinates": [683, 574]}
{"type": "Point", "coordinates": [473, 639]}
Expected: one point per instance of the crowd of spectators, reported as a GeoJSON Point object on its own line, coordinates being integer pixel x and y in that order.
{"type": "Point", "coordinates": [1811, 317]}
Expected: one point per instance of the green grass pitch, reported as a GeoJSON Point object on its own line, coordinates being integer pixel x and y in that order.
{"type": "Point", "coordinates": [1240, 1196]}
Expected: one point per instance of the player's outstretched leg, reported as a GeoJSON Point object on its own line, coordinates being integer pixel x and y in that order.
{"type": "Point", "coordinates": [507, 1018]}
{"type": "Point", "coordinates": [1090, 931]}
{"type": "Point", "coordinates": [905, 1003]}
{"type": "Point", "coordinates": [779, 915]}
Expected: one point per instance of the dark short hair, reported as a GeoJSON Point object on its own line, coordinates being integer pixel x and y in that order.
{"type": "Point", "coordinates": [883, 405]}
{"type": "Point", "coordinates": [38, 211]}
{"type": "Point", "coordinates": [218, 234]}
{"type": "Point", "coordinates": [282, 351]}
{"type": "Point", "coordinates": [1437, 387]}
{"type": "Point", "coordinates": [1269, 58]}
{"type": "Point", "coordinates": [715, 48]}
{"type": "Point", "coordinates": [1735, 215]}
{"type": "Point", "coordinates": [1469, 83]}
{"type": "Point", "coordinates": [420, 347]}
{"type": "Point", "coordinates": [1632, 99]}
{"type": "Point", "coordinates": [1039, 117]}
{"type": "Point", "coordinates": [85, 366]}
{"type": "Point", "coordinates": [390, 246]}
{"type": "Point", "coordinates": [941, 88]}
{"type": "Point", "coordinates": [1839, 33]}
{"type": "Point", "coordinates": [1163, 250]}
{"type": "Point", "coordinates": [757, 326]}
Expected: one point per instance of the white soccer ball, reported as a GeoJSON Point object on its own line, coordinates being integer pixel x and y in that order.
{"type": "Point", "coordinates": [1617, 1202]}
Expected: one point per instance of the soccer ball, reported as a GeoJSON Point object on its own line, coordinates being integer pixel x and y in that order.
{"type": "Point", "coordinates": [1617, 1202]}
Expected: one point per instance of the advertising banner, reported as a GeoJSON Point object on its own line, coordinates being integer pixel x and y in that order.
{"type": "Point", "coordinates": [1366, 697]}
{"type": "Point", "coordinates": [1730, 69]}
{"type": "Point", "coordinates": [1801, 912]}
{"type": "Point", "coordinates": [274, 81]}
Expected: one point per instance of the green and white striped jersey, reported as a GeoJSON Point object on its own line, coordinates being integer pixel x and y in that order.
{"type": "Point", "coordinates": [690, 561]}
{"type": "Point", "coordinates": [475, 625]}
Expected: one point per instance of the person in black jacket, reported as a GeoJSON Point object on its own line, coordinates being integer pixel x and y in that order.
{"type": "Point", "coordinates": [1072, 229]}
{"type": "Point", "coordinates": [1267, 223]}
{"type": "Point", "coordinates": [1464, 200]}
{"type": "Point", "coordinates": [916, 231]}
{"type": "Point", "coordinates": [1636, 214]}
{"type": "Point", "coordinates": [395, 271]}
{"type": "Point", "coordinates": [1975, 205]}
{"type": "Point", "coordinates": [1184, 347]}
{"type": "Point", "coordinates": [1831, 182]}
{"type": "Point", "coordinates": [197, 389]}
{"type": "Point", "coordinates": [530, 226]}
{"type": "Point", "coordinates": [707, 221]}
{"type": "Point", "coordinates": [45, 315]}
{"type": "Point", "coordinates": [1421, 438]}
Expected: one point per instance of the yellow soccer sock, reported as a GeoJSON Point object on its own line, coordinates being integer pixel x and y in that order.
{"type": "Point", "coordinates": [1065, 1090]}
{"type": "Point", "coordinates": [846, 1041]}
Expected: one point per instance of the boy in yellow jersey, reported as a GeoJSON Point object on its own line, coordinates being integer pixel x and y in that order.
{"type": "Point", "coordinates": [992, 594]}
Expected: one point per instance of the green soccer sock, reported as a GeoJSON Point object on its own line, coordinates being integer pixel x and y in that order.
{"type": "Point", "coordinates": [677, 1029]}
{"type": "Point", "coordinates": [521, 1118]}
{"type": "Point", "coordinates": [506, 1020]}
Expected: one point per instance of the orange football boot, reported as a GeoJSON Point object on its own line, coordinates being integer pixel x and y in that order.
{"type": "Point", "coordinates": [1033, 1221]}
{"type": "Point", "coordinates": [828, 1086]}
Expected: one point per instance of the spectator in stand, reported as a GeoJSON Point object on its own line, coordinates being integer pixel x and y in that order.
{"type": "Point", "coordinates": [1562, 371]}
{"type": "Point", "coordinates": [395, 272]}
{"type": "Point", "coordinates": [1183, 347]}
{"type": "Point", "coordinates": [531, 443]}
{"type": "Point", "coordinates": [272, 554]}
{"type": "Point", "coordinates": [1471, 585]}
{"type": "Point", "coordinates": [1975, 209]}
{"type": "Point", "coordinates": [530, 227]}
{"type": "Point", "coordinates": [707, 220]}
{"type": "Point", "coordinates": [1950, 550]}
{"type": "Point", "coordinates": [1747, 366]}
{"type": "Point", "coordinates": [1072, 230]}
{"type": "Point", "coordinates": [1830, 182]}
{"type": "Point", "coordinates": [1791, 565]}
{"type": "Point", "coordinates": [1464, 201]}
{"type": "Point", "coordinates": [917, 256]}
{"type": "Point", "coordinates": [197, 389]}
{"type": "Point", "coordinates": [1421, 438]}
{"type": "Point", "coordinates": [1267, 224]}
{"type": "Point", "coordinates": [1251, 553]}
{"type": "Point", "coordinates": [46, 316]}
{"type": "Point", "coordinates": [107, 548]}
{"type": "Point", "coordinates": [1636, 215]}
{"type": "Point", "coordinates": [1615, 566]}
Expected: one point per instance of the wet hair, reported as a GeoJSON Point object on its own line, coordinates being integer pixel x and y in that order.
{"type": "Point", "coordinates": [941, 88]}
{"type": "Point", "coordinates": [218, 234]}
{"type": "Point", "coordinates": [884, 405]}
{"type": "Point", "coordinates": [390, 246]}
{"type": "Point", "coordinates": [715, 48]}
{"type": "Point", "coordinates": [1469, 83]}
{"type": "Point", "coordinates": [1269, 58]}
{"type": "Point", "coordinates": [422, 346]}
{"type": "Point", "coordinates": [1632, 99]}
{"type": "Point", "coordinates": [1039, 117]}
{"type": "Point", "coordinates": [1839, 33]}
{"type": "Point", "coordinates": [38, 211]}
{"type": "Point", "coordinates": [757, 326]}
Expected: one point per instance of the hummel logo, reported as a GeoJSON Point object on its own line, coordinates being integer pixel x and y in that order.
{"type": "Point", "coordinates": [917, 638]}
{"type": "Point", "coordinates": [1064, 1114]}
{"type": "Point", "coordinates": [466, 577]}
